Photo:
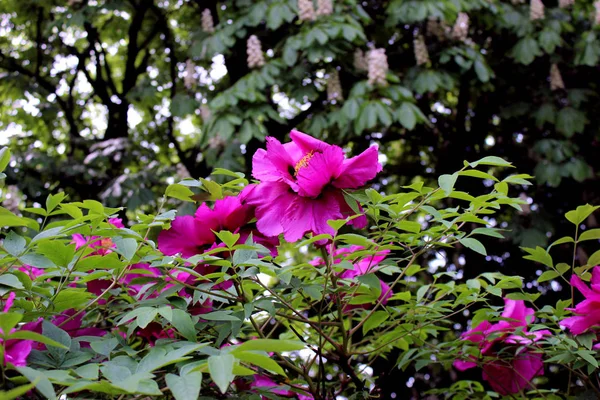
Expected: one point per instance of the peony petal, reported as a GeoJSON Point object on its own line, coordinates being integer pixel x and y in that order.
{"type": "Point", "coordinates": [231, 214]}
{"type": "Point", "coordinates": [319, 171]}
{"type": "Point", "coordinates": [357, 171]}
{"type": "Point", "coordinates": [116, 222]}
{"type": "Point", "coordinates": [307, 143]}
{"type": "Point", "coordinates": [516, 310]}
{"type": "Point", "coordinates": [464, 365]}
{"type": "Point", "coordinates": [581, 286]}
{"type": "Point", "coordinates": [17, 351]}
{"type": "Point", "coordinates": [273, 164]}
{"type": "Point", "coordinates": [309, 215]}
{"type": "Point", "coordinates": [186, 236]}
{"type": "Point", "coordinates": [9, 301]}
{"type": "Point", "coordinates": [512, 377]}
{"type": "Point", "coordinates": [271, 200]}
{"type": "Point", "coordinates": [581, 323]}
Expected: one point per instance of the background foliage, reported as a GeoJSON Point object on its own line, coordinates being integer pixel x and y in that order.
{"type": "Point", "coordinates": [94, 102]}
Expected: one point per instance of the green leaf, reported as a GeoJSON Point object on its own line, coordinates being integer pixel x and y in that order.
{"type": "Point", "coordinates": [43, 385]}
{"type": "Point", "coordinates": [562, 240]}
{"type": "Point", "coordinates": [186, 387]}
{"type": "Point", "coordinates": [371, 281]}
{"type": "Point", "coordinates": [104, 346]}
{"type": "Point", "coordinates": [221, 370]}
{"type": "Point", "coordinates": [125, 246]}
{"type": "Point", "coordinates": [14, 244]}
{"type": "Point", "coordinates": [71, 298]}
{"type": "Point", "coordinates": [36, 337]}
{"type": "Point", "coordinates": [547, 275]}
{"type": "Point", "coordinates": [4, 158]}
{"type": "Point", "coordinates": [89, 371]}
{"type": "Point", "coordinates": [17, 392]}
{"type": "Point", "coordinates": [409, 226]}
{"type": "Point", "coordinates": [220, 316]}
{"type": "Point", "coordinates": [579, 215]}
{"type": "Point", "coordinates": [260, 360]}
{"type": "Point", "coordinates": [446, 182]}
{"type": "Point", "coordinates": [145, 317]}
{"type": "Point", "coordinates": [526, 50]}
{"type": "Point", "coordinates": [179, 192]}
{"type": "Point", "coordinates": [477, 174]}
{"type": "Point", "coordinates": [594, 259]}
{"type": "Point", "coordinates": [375, 320]}
{"type": "Point", "coordinates": [9, 320]}
{"type": "Point", "coordinates": [570, 121]}
{"type": "Point", "coordinates": [488, 232]}
{"type": "Point", "coordinates": [9, 220]}
{"type": "Point", "coordinates": [230, 239]}
{"type": "Point", "coordinates": [474, 245]}
{"type": "Point", "coordinates": [592, 234]}
{"type": "Point", "coordinates": [490, 160]}
{"type": "Point", "coordinates": [481, 70]}
{"type": "Point", "coordinates": [406, 116]}
{"type": "Point", "coordinates": [52, 201]}
{"type": "Point", "coordinates": [269, 345]}
{"type": "Point", "coordinates": [588, 356]}
{"type": "Point", "coordinates": [58, 335]}
{"type": "Point", "coordinates": [540, 255]}
{"type": "Point", "coordinates": [37, 260]}
{"type": "Point", "coordinates": [160, 356]}
{"type": "Point", "coordinates": [11, 281]}
{"type": "Point", "coordinates": [183, 323]}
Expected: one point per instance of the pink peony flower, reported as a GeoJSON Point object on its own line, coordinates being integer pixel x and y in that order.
{"type": "Point", "coordinates": [301, 185]}
{"type": "Point", "coordinates": [139, 271]}
{"type": "Point", "coordinates": [588, 311]}
{"type": "Point", "coordinates": [191, 235]}
{"type": "Point", "coordinates": [16, 351]}
{"type": "Point", "coordinates": [101, 246]}
{"type": "Point", "coordinates": [153, 332]}
{"type": "Point", "coordinates": [116, 222]}
{"type": "Point", "coordinates": [31, 272]}
{"type": "Point", "coordinates": [511, 374]}
{"type": "Point", "coordinates": [74, 326]}
{"type": "Point", "coordinates": [362, 266]}
{"type": "Point", "coordinates": [267, 384]}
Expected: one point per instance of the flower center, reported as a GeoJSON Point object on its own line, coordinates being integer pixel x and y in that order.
{"type": "Point", "coordinates": [106, 243]}
{"type": "Point", "coordinates": [303, 162]}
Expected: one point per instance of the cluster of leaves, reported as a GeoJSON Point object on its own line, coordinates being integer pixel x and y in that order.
{"type": "Point", "coordinates": [285, 319]}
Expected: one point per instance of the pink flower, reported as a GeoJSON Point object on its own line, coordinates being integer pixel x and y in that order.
{"type": "Point", "coordinates": [16, 351]}
{"type": "Point", "coordinates": [116, 222]}
{"type": "Point", "coordinates": [139, 271]}
{"type": "Point", "coordinates": [31, 272]}
{"type": "Point", "coordinates": [74, 326]}
{"type": "Point", "coordinates": [268, 385]}
{"type": "Point", "coordinates": [362, 265]}
{"type": "Point", "coordinates": [191, 235]}
{"type": "Point", "coordinates": [589, 309]}
{"type": "Point", "coordinates": [506, 375]}
{"type": "Point", "coordinates": [301, 185]}
{"type": "Point", "coordinates": [153, 332]}
{"type": "Point", "coordinates": [101, 246]}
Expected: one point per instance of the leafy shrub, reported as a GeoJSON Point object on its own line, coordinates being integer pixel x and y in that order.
{"type": "Point", "coordinates": [288, 287]}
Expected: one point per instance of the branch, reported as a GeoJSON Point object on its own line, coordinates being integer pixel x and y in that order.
{"type": "Point", "coordinates": [132, 47]}
{"type": "Point", "coordinates": [39, 53]}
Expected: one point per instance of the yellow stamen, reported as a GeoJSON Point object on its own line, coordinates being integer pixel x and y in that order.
{"type": "Point", "coordinates": [303, 162]}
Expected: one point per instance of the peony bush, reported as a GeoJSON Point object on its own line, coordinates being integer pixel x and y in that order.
{"type": "Point", "coordinates": [288, 285]}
